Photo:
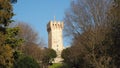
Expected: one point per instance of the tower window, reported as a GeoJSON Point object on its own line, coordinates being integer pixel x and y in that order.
{"type": "Point", "coordinates": [55, 25]}
{"type": "Point", "coordinates": [57, 47]}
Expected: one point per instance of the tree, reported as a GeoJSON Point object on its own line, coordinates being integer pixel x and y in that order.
{"type": "Point", "coordinates": [94, 47]}
{"type": "Point", "coordinates": [114, 19]}
{"type": "Point", "coordinates": [27, 34]}
{"type": "Point", "coordinates": [27, 62]}
{"type": "Point", "coordinates": [86, 22]}
{"type": "Point", "coordinates": [48, 56]}
{"type": "Point", "coordinates": [74, 56]}
{"type": "Point", "coordinates": [13, 1]}
{"type": "Point", "coordinates": [10, 41]}
{"type": "Point", "coordinates": [85, 14]}
{"type": "Point", "coordinates": [6, 54]}
{"type": "Point", "coordinates": [34, 51]}
{"type": "Point", "coordinates": [31, 46]}
{"type": "Point", "coordinates": [5, 12]}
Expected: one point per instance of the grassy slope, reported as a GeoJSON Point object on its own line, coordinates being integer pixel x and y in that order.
{"type": "Point", "coordinates": [56, 65]}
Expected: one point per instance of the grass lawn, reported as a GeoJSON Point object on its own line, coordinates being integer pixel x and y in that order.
{"type": "Point", "coordinates": [56, 65]}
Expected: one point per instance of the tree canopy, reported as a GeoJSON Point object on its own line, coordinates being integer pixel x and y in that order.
{"type": "Point", "coordinates": [95, 29]}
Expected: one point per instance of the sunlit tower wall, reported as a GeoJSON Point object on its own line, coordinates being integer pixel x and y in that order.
{"type": "Point", "coordinates": [55, 38]}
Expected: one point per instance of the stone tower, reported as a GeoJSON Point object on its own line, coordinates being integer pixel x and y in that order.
{"type": "Point", "coordinates": [55, 39]}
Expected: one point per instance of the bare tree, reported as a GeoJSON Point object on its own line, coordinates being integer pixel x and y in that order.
{"type": "Point", "coordinates": [85, 14]}
{"type": "Point", "coordinates": [86, 22]}
{"type": "Point", "coordinates": [27, 33]}
{"type": "Point", "coordinates": [32, 45]}
{"type": "Point", "coordinates": [34, 51]}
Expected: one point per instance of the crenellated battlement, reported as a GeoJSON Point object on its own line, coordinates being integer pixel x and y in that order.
{"type": "Point", "coordinates": [54, 25]}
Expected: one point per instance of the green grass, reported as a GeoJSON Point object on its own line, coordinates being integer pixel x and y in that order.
{"type": "Point", "coordinates": [56, 65]}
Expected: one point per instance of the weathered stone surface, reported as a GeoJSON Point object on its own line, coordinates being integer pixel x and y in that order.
{"type": "Point", "coordinates": [55, 39]}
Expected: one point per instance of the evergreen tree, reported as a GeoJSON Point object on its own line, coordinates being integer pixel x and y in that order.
{"type": "Point", "coordinates": [27, 62]}
{"type": "Point", "coordinates": [48, 56]}
{"type": "Point", "coordinates": [8, 47]}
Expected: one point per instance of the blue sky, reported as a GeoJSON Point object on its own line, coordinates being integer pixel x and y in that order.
{"type": "Point", "coordinates": [37, 13]}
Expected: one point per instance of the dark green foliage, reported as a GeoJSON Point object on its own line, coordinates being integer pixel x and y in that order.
{"type": "Point", "coordinates": [72, 60]}
{"type": "Point", "coordinates": [27, 62]}
{"type": "Point", "coordinates": [11, 42]}
{"type": "Point", "coordinates": [6, 12]}
{"type": "Point", "coordinates": [49, 55]}
{"type": "Point", "coordinates": [64, 65]}
{"type": "Point", "coordinates": [66, 54]}
{"type": "Point", "coordinates": [11, 37]}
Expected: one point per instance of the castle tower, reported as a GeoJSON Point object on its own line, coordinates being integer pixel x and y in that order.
{"type": "Point", "coordinates": [55, 39]}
